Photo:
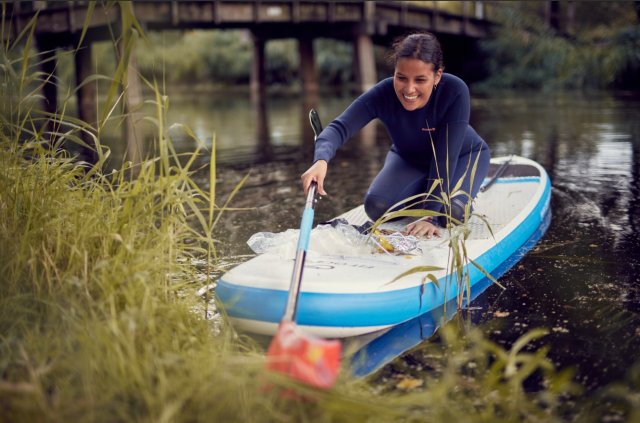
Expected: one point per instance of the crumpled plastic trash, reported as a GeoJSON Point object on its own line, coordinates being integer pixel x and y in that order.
{"type": "Point", "coordinates": [324, 239]}
{"type": "Point", "coordinates": [396, 243]}
{"type": "Point", "coordinates": [335, 238]}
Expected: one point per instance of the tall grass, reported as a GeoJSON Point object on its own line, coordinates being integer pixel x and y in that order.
{"type": "Point", "coordinates": [99, 317]}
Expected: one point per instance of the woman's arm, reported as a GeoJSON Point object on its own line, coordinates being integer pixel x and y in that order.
{"type": "Point", "coordinates": [448, 140]}
{"type": "Point", "coordinates": [334, 135]}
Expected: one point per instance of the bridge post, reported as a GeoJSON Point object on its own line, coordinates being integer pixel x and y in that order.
{"type": "Point", "coordinates": [133, 100]}
{"type": "Point", "coordinates": [365, 61]}
{"type": "Point", "coordinates": [86, 94]}
{"type": "Point", "coordinates": [307, 66]}
{"type": "Point", "coordinates": [264, 149]}
{"type": "Point", "coordinates": [48, 65]}
{"type": "Point", "coordinates": [364, 54]}
{"type": "Point", "coordinates": [49, 89]}
{"type": "Point", "coordinates": [258, 73]}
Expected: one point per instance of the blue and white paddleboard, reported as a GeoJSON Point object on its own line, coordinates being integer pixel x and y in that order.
{"type": "Point", "coordinates": [346, 294]}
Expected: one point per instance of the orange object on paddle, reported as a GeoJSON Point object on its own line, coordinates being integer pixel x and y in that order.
{"type": "Point", "coordinates": [308, 359]}
{"type": "Point", "coordinates": [303, 357]}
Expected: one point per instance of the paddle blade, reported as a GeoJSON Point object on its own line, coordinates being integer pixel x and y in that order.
{"type": "Point", "coordinates": [305, 358]}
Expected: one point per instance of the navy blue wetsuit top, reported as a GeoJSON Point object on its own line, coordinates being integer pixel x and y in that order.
{"type": "Point", "coordinates": [444, 119]}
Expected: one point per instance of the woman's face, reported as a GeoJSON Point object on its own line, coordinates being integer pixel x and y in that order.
{"type": "Point", "coordinates": [413, 81]}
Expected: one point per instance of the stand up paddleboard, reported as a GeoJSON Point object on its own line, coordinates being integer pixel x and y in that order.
{"type": "Point", "coordinates": [347, 295]}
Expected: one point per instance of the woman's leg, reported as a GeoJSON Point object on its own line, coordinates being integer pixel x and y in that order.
{"type": "Point", "coordinates": [397, 181]}
{"type": "Point", "coordinates": [471, 181]}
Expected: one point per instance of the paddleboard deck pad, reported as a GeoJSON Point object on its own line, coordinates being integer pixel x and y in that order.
{"type": "Point", "coordinates": [345, 294]}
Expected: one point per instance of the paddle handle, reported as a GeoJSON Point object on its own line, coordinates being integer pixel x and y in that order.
{"type": "Point", "coordinates": [498, 174]}
{"type": "Point", "coordinates": [301, 253]}
{"type": "Point", "coordinates": [316, 125]}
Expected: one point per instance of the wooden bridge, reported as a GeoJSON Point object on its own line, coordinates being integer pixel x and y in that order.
{"type": "Point", "coordinates": [364, 23]}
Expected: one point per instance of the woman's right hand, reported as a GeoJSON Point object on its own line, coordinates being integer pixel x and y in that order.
{"type": "Point", "coordinates": [316, 172]}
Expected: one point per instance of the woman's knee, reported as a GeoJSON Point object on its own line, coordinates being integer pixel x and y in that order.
{"type": "Point", "coordinates": [375, 206]}
{"type": "Point", "coordinates": [457, 210]}
{"type": "Point", "coordinates": [456, 213]}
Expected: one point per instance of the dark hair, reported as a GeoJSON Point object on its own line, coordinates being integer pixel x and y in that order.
{"type": "Point", "coordinates": [423, 46]}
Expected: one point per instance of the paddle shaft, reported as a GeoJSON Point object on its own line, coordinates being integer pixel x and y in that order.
{"type": "Point", "coordinates": [303, 240]}
{"type": "Point", "coordinates": [498, 174]}
{"type": "Point", "coordinates": [301, 254]}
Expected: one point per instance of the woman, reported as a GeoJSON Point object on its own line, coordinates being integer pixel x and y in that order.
{"type": "Point", "coordinates": [426, 113]}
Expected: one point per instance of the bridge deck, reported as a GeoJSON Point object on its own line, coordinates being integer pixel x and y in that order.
{"type": "Point", "coordinates": [276, 18]}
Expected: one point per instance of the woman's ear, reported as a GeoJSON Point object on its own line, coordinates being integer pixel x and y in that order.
{"type": "Point", "coordinates": [438, 76]}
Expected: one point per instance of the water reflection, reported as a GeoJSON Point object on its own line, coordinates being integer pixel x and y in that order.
{"type": "Point", "coordinates": [582, 281]}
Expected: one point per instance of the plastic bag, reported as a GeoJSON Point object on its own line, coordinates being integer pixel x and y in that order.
{"type": "Point", "coordinates": [396, 243]}
{"type": "Point", "coordinates": [337, 238]}
{"type": "Point", "coordinates": [325, 239]}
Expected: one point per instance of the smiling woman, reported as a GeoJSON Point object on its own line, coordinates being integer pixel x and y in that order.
{"type": "Point", "coordinates": [434, 153]}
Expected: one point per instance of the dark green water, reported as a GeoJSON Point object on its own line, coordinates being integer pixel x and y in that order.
{"type": "Point", "coordinates": [582, 282]}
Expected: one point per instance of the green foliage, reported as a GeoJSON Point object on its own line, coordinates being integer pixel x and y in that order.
{"type": "Point", "coordinates": [99, 319]}
{"type": "Point", "coordinates": [224, 57]}
{"type": "Point", "coordinates": [173, 57]}
{"type": "Point", "coordinates": [604, 51]}
{"type": "Point", "coordinates": [625, 57]}
{"type": "Point", "coordinates": [334, 62]}
{"type": "Point", "coordinates": [281, 61]}
{"type": "Point", "coordinates": [216, 56]}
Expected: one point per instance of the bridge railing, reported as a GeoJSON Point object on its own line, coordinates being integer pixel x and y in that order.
{"type": "Point", "coordinates": [463, 17]}
{"type": "Point", "coordinates": [475, 9]}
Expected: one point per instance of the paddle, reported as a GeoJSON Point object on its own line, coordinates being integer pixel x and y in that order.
{"type": "Point", "coordinates": [499, 172]}
{"type": "Point", "coordinates": [301, 356]}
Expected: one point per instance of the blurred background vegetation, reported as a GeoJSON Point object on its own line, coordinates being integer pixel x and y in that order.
{"type": "Point", "coordinates": [593, 45]}
{"type": "Point", "coordinates": [586, 45]}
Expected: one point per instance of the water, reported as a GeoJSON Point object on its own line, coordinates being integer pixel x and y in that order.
{"type": "Point", "coordinates": [582, 281]}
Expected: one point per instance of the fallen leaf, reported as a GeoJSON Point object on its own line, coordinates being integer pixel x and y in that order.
{"type": "Point", "coordinates": [409, 383]}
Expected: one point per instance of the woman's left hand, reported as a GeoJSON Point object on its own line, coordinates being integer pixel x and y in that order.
{"type": "Point", "coordinates": [423, 227]}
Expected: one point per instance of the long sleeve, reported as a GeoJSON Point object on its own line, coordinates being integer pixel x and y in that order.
{"type": "Point", "coordinates": [448, 143]}
{"type": "Point", "coordinates": [341, 129]}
